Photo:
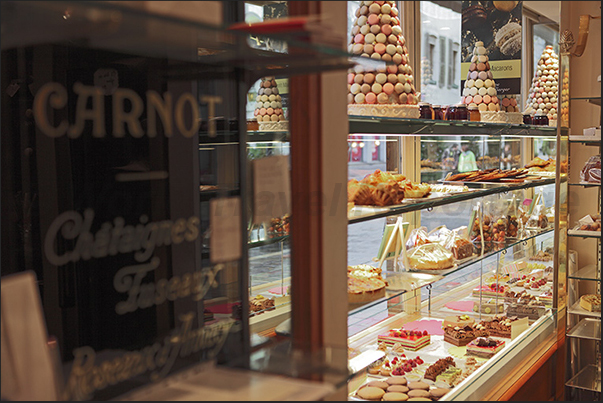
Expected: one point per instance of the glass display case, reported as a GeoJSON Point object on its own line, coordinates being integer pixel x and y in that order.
{"type": "Point", "coordinates": [126, 188]}
{"type": "Point", "coordinates": [488, 280]}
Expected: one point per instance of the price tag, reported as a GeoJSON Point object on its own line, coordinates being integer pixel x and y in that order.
{"type": "Point", "coordinates": [271, 188]}
{"type": "Point", "coordinates": [225, 226]}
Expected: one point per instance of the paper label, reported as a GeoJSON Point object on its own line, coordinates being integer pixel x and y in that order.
{"type": "Point", "coordinates": [225, 225]}
{"type": "Point", "coordinates": [388, 232]}
{"type": "Point", "coordinates": [587, 219]}
{"type": "Point", "coordinates": [271, 188]}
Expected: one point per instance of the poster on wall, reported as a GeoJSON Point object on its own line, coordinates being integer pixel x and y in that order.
{"type": "Point", "coordinates": [498, 25]}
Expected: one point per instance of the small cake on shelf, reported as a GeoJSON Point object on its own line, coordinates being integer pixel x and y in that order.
{"type": "Point", "coordinates": [500, 325]}
{"type": "Point", "coordinates": [461, 335]}
{"type": "Point", "coordinates": [403, 366]}
{"type": "Point", "coordinates": [491, 306]}
{"type": "Point", "coordinates": [457, 320]}
{"type": "Point", "coordinates": [449, 375]}
{"type": "Point", "coordinates": [398, 349]}
{"type": "Point", "coordinates": [438, 368]}
{"type": "Point", "coordinates": [409, 339]}
{"type": "Point", "coordinates": [533, 309]}
{"type": "Point", "coordinates": [493, 290]}
{"type": "Point", "coordinates": [591, 302]}
{"type": "Point", "coordinates": [485, 347]}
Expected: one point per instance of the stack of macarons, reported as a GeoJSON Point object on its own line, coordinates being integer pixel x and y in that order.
{"type": "Point", "coordinates": [269, 106]}
{"type": "Point", "coordinates": [508, 103]}
{"type": "Point", "coordinates": [480, 87]}
{"type": "Point", "coordinates": [377, 34]}
{"type": "Point", "coordinates": [543, 93]}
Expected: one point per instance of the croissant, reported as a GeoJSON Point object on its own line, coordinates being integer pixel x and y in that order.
{"type": "Point", "coordinates": [360, 194]}
{"type": "Point", "coordinates": [383, 195]}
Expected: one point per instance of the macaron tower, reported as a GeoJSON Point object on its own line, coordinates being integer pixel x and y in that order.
{"type": "Point", "coordinates": [543, 93]}
{"type": "Point", "coordinates": [390, 92]}
{"type": "Point", "coordinates": [269, 107]}
{"type": "Point", "coordinates": [480, 87]}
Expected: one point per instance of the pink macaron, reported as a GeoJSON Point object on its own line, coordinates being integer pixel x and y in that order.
{"type": "Point", "coordinates": [370, 98]}
{"type": "Point", "coordinates": [380, 48]}
{"type": "Point", "coordinates": [487, 99]}
{"type": "Point", "coordinates": [388, 88]}
{"type": "Point", "coordinates": [477, 99]}
{"type": "Point", "coordinates": [386, 29]}
{"type": "Point", "coordinates": [359, 38]}
{"type": "Point", "coordinates": [373, 19]}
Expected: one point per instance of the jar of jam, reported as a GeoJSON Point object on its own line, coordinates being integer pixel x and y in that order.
{"type": "Point", "coordinates": [438, 112]}
{"type": "Point", "coordinates": [450, 113]}
{"type": "Point", "coordinates": [461, 112]}
{"type": "Point", "coordinates": [527, 119]}
{"type": "Point", "coordinates": [540, 119]}
{"type": "Point", "coordinates": [425, 110]}
{"type": "Point", "coordinates": [474, 113]}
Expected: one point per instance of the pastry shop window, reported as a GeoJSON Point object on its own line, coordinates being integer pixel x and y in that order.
{"type": "Point", "coordinates": [268, 136]}
{"type": "Point", "coordinates": [443, 65]}
{"type": "Point", "coordinates": [440, 26]}
{"type": "Point", "coordinates": [454, 48]}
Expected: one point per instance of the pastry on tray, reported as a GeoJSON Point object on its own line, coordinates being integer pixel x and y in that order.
{"type": "Point", "coordinates": [365, 284]}
{"type": "Point", "coordinates": [431, 256]}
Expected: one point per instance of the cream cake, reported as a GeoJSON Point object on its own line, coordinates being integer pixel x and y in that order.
{"type": "Point", "coordinates": [408, 339]}
{"type": "Point", "coordinates": [485, 347]}
{"type": "Point", "coordinates": [591, 302]}
{"type": "Point", "coordinates": [461, 336]}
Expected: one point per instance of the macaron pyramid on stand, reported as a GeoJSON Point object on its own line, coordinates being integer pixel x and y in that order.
{"type": "Point", "coordinates": [269, 107]}
{"type": "Point", "coordinates": [390, 91]}
{"type": "Point", "coordinates": [543, 93]}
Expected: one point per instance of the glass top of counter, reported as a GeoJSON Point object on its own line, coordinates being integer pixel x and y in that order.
{"type": "Point", "coordinates": [428, 127]}
{"type": "Point", "coordinates": [200, 47]}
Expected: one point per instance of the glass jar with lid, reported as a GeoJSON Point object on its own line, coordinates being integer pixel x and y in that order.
{"type": "Point", "coordinates": [438, 112]}
{"type": "Point", "coordinates": [425, 110]}
{"type": "Point", "coordinates": [474, 113]}
{"type": "Point", "coordinates": [540, 119]}
{"type": "Point", "coordinates": [461, 112]}
{"type": "Point", "coordinates": [450, 113]}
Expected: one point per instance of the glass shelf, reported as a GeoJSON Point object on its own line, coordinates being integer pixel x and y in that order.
{"type": "Point", "coordinates": [585, 184]}
{"type": "Point", "coordinates": [586, 140]}
{"type": "Point", "coordinates": [264, 137]}
{"type": "Point", "coordinates": [365, 213]}
{"type": "Point", "coordinates": [201, 48]}
{"type": "Point", "coordinates": [588, 328]}
{"type": "Point", "coordinates": [584, 234]}
{"type": "Point", "coordinates": [403, 282]}
{"type": "Point", "coordinates": [592, 100]}
{"type": "Point", "coordinates": [586, 273]}
{"type": "Point", "coordinates": [576, 309]}
{"type": "Point", "coordinates": [413, 127]}
{"type": "Point", "coordinates": [255, 243]}
{"type": "Point", "coordinates": [589, 378]}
